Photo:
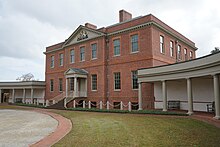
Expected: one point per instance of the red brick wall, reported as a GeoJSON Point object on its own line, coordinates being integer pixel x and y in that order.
{"type": "Point", "coordinates": [107, 64]}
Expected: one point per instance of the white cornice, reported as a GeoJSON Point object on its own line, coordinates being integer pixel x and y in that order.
{"type": "Point", "coordinates": [204, 66]}
{"type": "Point", "coordinates": [123, 31]}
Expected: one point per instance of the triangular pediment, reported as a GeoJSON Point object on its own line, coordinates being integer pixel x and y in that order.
{"type": "Point", "coordinates": [75, 71]}
{"type": "Point", "coordinates": [82, 34]}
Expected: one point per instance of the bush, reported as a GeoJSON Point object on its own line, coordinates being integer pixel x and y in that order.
{"type": "Point", "coordinates": [158, 112]}
{"type": "Point", "coordinates": [29, 105]}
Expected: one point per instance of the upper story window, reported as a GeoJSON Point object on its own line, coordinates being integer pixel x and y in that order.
{"type": "Point", "coordinates": [51, 85]}
{"type": "Point", "coordinates": [116, 47]}
{"type": "Point", "coordinates": [162, 49]}
{"type": "Point", "coordinates": [185, 54]}
{"type": "Point", "coordinates": [179, 52]}
{"type": "Point", "coordinates": [117, 80]}
{"type": "Point", "coordinates": [134, 80]}
{"type": "Point", "coordinates": [134, 43]}
{"type": "Point", "coordinates": [82, 53]}
{"type": "Point", "coordinates": [94, 82]}
{"type": "Point", "coordinates": [52, 62]}
{"type": "Point", "coordinates": [61, 59]}
{"type": "Point", "coordinates": [94, 51]}
{"type": "Point", "coordinates": [60, 85]}
{"type": "Point", "coordinates": [72, 56]}
{"type": "Point", "coordinates": [171, 49]}
{"type": "Point", "coordinates": [190, 55]}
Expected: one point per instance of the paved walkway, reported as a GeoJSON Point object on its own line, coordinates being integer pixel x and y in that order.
{"type": "Point", "coordinates": [206, 117]}
{"type": "Point", "coordinates": [21, 128]}
{"type": "Point", "coordinates": [64, 127]}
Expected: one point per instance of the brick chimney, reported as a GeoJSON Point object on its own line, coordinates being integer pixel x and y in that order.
{"type": "Point", "coordinates": [91, 26]}
{"type": "Point", "coordinates": [124, 15]}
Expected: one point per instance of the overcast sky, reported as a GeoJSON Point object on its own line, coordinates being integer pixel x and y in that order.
{"type": "Point", "coordinates": [27, 27]}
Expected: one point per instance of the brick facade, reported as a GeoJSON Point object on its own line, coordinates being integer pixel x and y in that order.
{"type": "Point", "coordinates": [148, 29]}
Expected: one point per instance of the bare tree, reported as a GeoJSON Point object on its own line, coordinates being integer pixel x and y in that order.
{"type": "Point", "coordinates": [216, 50]}
{"type": "Point", "coordinates": [26, 77]}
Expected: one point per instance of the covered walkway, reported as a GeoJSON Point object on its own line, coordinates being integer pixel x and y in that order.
{"type": "Point", "coordinates": [193, 83]}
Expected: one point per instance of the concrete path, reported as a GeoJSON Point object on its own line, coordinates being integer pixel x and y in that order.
{"type": "Point", "coordinates": [22, 128]}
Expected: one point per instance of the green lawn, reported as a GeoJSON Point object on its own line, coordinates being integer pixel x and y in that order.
{"type": "Point", "coordinates": [112, 129]}
{"type": "Point", "coordinates": [107, 129]}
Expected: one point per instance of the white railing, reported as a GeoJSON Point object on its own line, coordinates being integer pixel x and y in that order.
{"type": "Point", "coordinates": [107, 105]}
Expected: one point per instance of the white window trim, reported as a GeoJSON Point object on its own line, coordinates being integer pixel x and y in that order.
{"type": "Point", "coordinates": [163, 45]}
{"type": "Point", "coordinates": [131, 44]}
{"type": "Point", "coordinates": [59, 85]}
{"type": "Point", "coordinates": [51, 61]}
{"type": "Point", "coordinates": [120, 82]}
{"type": "Point", "coordinates": [96, 83]}
{"type": "Point", "coordinates": [71, 56]}
{"type": "Point", "coordinates": [135, 52]}
{"type": "Point", "coordinates": [60, 59]}
{"type": "Point", "coordinates": [84, 53]}
{"type": "Point", "coordinates": [96, 51]}
{"type": "Point", "coordinates": [50, 85]}
{"type": "Point", "coordinates": [132, 81]}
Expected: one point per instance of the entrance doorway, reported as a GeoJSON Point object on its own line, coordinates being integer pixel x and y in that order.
{"type": "Point", "coordinates": [5, 96]}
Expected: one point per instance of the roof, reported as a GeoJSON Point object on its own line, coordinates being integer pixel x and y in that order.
{"type": "Point", "coordinates": [23, 84]}
{"type": "Point", "coordinates": [204, 66]}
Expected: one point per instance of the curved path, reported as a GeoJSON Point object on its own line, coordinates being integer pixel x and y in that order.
{"type": "Point", "coordinates": [63, 128]}
{"type": "Point", "coordinates": [22, 128]}
{"type": "Point", "coordinates": [36, 127]}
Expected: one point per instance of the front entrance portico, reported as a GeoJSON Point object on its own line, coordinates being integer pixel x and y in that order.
{"type": "Point", "coordinates": [76, 83]}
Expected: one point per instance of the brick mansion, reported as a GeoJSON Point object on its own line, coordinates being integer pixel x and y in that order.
{"type": "Point", "coordinates": [100, 64]}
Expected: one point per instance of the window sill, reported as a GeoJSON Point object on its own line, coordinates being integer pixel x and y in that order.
{"type": "Point", "coordinates": [94, 90]}
{"type": "Point", "coordinates": [135, 52]}
{"type": "Point", "coordinates": [82, 61]}
{"type": "Point", "coordinates": [94, 59]}
{"type": "Point", "coordinates": [116, 55]}
{"type": "Point", "coordinates": [117, 90]}
{"type": "Point", "coordinates": [135, 89]}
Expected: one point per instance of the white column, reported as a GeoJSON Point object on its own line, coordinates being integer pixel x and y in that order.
{"type": "Point", "coordinates": [190, 96]}
{"type": "Point", "coordinates": [164, 93]}
{"type": "Point", "coordinates": [0, 95]}
{"type": "Point", "coordinates": [24, 96]}
{"type": "Point", "coordinates": [217, 96]}
{"type": "Point", "coordinates": [139, 97]}
{"type": "Point", "coordinates": [107, 105]}
{"type": "Point", "coordinates": [84, 104]}
{"type": "Point", "coordinates": [74, 104]}
{"type": "Point", "coordinates": [32, 95]}
{"type": "Point", "coordinates": [75, 87]}
{"type": "Point", "coordinates": [47, 103]}
{"type": "Point", "coordinates": [121, 105]}
{"type": "Point", "coordinates": [100, 107]}
{"type": "Point", "coordinates": [129, 106]}
{"type": "Point", "coordinates": [85, 87]}
{"type": "Point", "coordinates": [89, 105]}
{"type": "Point", "coordinates": [66, 87]}
{"type": "Point", "coordinates": [13, 95]}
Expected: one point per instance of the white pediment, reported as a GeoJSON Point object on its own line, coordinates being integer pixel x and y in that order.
{"type": "Point", "coordinates": [75, 71]}
{"type": "Point", "coordinates": [81, 34]}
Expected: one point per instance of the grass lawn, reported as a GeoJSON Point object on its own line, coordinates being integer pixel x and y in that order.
{"type": "Point", "coordinates": [107, 129]}
{"type": "Point", "coordinates": [112, 129]}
